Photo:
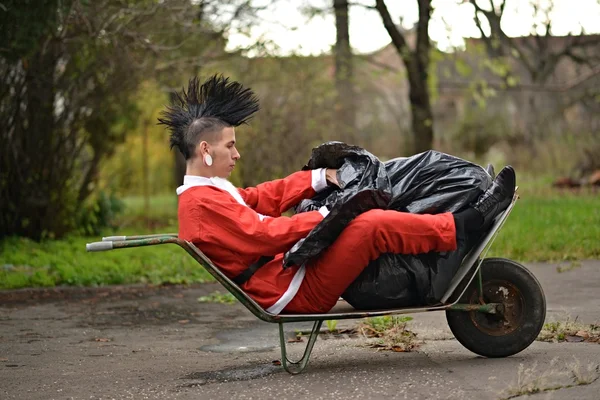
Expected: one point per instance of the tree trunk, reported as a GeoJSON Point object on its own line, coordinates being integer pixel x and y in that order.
{"type": "Point", "coordinates": [145, 172]}
{"type": "Point", "coordinates": [345, 104]}
{"type": "Point", "coordinates": [422, 119]}
{"type": "Point", "coordinates": [416, 63]}
{"type": "Point", "coordinates": [39, 190]}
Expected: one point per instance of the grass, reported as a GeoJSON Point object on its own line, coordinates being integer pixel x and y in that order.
{"type": "Point", "coordinates": [331, 325]}
{"type": "Point", "coordinates": [160, 214]}
{"type": "Point", "coordinates": [159, 205]}
{"type": "Point", "coordinates": [218, 297]}
{"type": "Point", "coordinates": [545, 225]}
{"type": "Point", "coordinates": [558, 331]}
{"type": "Point", "coordinates": [556, 375]}
{"type": "Point", "coordinates": [551, 227]}
{"type": "Point", "coordinates": [389, 333]}
{"type": "Point", "coordinates": [25, 263]}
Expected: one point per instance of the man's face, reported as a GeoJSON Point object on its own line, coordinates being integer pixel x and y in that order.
{"type": "Point", "coordinates": [224, 154]}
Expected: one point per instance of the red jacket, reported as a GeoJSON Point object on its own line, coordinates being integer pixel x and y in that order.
{"type": "Point", "coordinates": [234, 235]}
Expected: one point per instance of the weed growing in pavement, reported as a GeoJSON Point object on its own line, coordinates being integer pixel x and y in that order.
{"type": "Point", "coordinates": [331, 325]}
{"type": "Point", "coordinates": [556, 376]}
{"type": "Point", "coordinates": [389, 333]}
{"type": "Point", "coordinates": [584, 376]}
{"type": "Point", "coordinates": [569, 331]}
{"type": "Point", "coordinates": [218, 297]}
{"type": "Point", "coordinates": [569, 267]}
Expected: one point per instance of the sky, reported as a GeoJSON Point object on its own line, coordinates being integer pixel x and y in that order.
{"type": "Point", "coordinates": [292, 32]}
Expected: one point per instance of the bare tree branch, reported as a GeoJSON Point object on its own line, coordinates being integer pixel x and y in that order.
{"type": "Point", "coordinates": [361, 5]}
{"type": "Point", "coordinates": [535, 52]}
{"type": "Point", "coordinates": [397, 38]}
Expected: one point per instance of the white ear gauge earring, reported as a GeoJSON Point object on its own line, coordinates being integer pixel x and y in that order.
{"type": "Point", "coordinates": [208, 160]}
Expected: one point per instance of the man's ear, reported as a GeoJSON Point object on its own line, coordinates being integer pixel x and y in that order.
{"type": "Point", "coordinates": [203, 148]}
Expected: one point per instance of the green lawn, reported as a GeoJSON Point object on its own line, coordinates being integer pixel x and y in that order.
{"type": "Point", "coordinates": [551, 228]}
{"type": "Point", "coordinates": [545, 225]}
{"type": "Point", "coordinates": [65, 262]}
{"type": "Point", "coordinates": [24, 263]}
{"type": "Point", "coordinates": [161, 212]}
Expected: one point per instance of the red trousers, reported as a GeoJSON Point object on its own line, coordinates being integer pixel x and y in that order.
{"type": "Point", "coordinates": [364, 239]}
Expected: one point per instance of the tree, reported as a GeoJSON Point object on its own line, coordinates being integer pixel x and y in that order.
{"type": "Point", "coordinates": [216, 17]}
{"type": "Point", "coordinates": [69, 69]}
{"type": "Point", "coordinates": [539, 56]}
{"type": "Point", "coordinates": [344, 82]}
{"type": "Point", "coordinates": [539, 53]}
{"type": "Point", "coordinates": [297, 100]}
{"type": "Point", "coordinates": [60, 100]}
{"type": "Point", "coordinates": [416, 62]}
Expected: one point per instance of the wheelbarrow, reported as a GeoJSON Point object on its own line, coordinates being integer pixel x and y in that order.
{"type": "Point", "coordinates": [495, 307]}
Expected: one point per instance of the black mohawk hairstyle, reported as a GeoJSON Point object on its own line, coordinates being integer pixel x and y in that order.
{"type": "Point", "coordinates": [217, 98]}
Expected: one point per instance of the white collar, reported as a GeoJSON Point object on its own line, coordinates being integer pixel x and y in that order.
{"type": "Point", "coordinates": [190, 181]}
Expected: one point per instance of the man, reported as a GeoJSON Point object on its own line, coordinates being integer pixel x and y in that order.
{"type": "Point", "coordinates": [238, 227]}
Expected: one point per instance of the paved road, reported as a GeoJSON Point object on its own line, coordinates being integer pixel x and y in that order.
{"type": "Point", "coordinates": [136, 343]}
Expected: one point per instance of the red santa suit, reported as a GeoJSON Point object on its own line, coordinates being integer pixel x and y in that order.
{"type": "Point", "coordinates": [235, 227]}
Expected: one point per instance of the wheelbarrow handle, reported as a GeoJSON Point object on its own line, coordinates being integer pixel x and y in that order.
{"type": "Point", "coordinates": [112, 238]}
{"type": "Point", "coordinates": [130, 241]}
{"type": "Point", "coordinates": [137, 237]}
{"type": "Point", "coordinates": [99, 246]}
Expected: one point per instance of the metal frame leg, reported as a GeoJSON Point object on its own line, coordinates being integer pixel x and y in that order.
{"type": "Point", "coordinates": [480, 285]}
{"type": "Point", "coordinates": [296, 367]}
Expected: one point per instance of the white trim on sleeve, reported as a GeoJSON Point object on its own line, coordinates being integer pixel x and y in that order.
{"type": "Point", "coordinates": [324, 211]}
{"type": "Point", "coordinates": [319, 179]}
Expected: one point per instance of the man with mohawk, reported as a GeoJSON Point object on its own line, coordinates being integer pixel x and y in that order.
{"type": "Point", "coordinates": [240, 228]}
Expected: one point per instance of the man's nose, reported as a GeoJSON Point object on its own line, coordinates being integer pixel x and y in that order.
{"type": "Point", "coordinates": [236, 155]}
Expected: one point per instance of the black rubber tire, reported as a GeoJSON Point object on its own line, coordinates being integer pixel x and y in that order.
{"type": "Point", "coordinates": [490, 335]}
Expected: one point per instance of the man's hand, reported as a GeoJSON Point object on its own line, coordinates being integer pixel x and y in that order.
{"type": "Point", "coordinates": [331, 175]}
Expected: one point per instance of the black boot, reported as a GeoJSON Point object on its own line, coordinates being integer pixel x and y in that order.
{"type": "Point", "coordinates": [497, 198]}
{"type": "Point", "coordinates": [490, 171]}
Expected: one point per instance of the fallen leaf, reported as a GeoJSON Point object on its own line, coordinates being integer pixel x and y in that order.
{"type": "Point", "coordinates": [297, 339]}
{"type": "Point", "coordinates": [574, 339]}
{"type": "Point", "coordinates": [3, 359]}
{"type": "Point", "coordinates": [102, 340]}
{"type": "Point", "coordinates": [276, 362]}
{"type": "Point", "coordinates": [178, 295]}
{"type": "Point", "coordinates": [183, 321]}
{"type": "Point", "coordinates": [583, 334]}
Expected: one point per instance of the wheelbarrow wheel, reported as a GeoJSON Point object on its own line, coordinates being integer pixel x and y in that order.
{"type": "Point", "coordinates": [520, 320]}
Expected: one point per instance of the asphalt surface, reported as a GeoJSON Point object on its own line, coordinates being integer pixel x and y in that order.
{"type": "Point", "coordinates": [161, 343]}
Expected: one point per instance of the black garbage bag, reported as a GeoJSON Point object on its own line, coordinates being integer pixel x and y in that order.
{"type": "Point", "coordinates": [433, 182]}
{"type": "Point", "coordinates": [426, 278]}
{"type": "Point", "coordinates": [364, 185]}
{"type": "Point", "coordinates": [387, 282]}
{"type": "Point", "coordinates": [429, 182]}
